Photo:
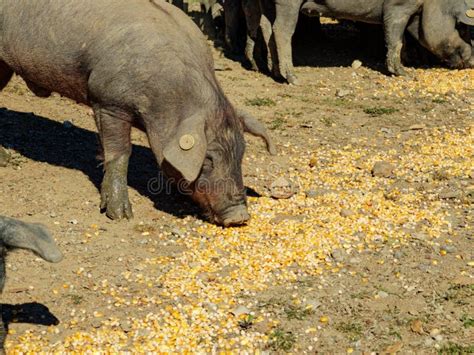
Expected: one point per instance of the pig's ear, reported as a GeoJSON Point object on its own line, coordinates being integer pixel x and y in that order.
{"type": "Point", "coordinates": [186, 150]}
{"type": "Point", "coordinates": [256, 128]}
{"type": "Point", "coordinates": [467, 13]}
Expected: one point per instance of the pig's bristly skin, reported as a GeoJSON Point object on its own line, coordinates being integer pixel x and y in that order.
{"type": "Point", "coordinates": [16, 234]}
{"type": "Point", "coordinates": [136, 63]}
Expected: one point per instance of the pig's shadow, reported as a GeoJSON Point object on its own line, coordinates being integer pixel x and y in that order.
{"type": "Point", "coordinates": [48, 141]}
{"type": "Point", "coordinates": [31, 313]}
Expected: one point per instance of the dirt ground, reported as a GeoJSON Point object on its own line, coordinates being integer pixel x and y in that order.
{"type": "Point", "coordinates": [360, 259]}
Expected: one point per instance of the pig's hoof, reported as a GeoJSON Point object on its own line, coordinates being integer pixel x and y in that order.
{"type": "Point", "coordinates": [116, 207]}
{"type": "Point", "coordinates": [398, 70]}
{"type": "Point", "coordinates": [292, 79]}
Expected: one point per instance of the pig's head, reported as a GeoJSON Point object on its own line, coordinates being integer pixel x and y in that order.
{"type": "Point", "coordinates": [207, 151]}
{"type": "Point", "coordinates": [446, 33]}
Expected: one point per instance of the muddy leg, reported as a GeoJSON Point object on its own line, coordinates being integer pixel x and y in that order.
{"type": "Point", "coordinates": [114, 131]}
{"type": "Point", "coordinates": [5, 74]}
{"type": "Point", "coordinates": [396, 17]}
{"type": "Point", "coordinates": [287, 13]}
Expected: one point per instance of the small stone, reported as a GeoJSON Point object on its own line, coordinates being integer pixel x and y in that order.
{"type": "Point", "coordinates": [240, 310]}
{"type": "Point", "coordinates": [356, 64]}
{"type": "Point", "coordinates": [450, 194]}
{"type": "Point", "coordinates": [317, 192]}
{"type": "Point", "coordinates": [448, 248]}
{"type": "Point", "coordinates": [313, 162]}
{"type": "Point", "coordinates": [345, 212]}
{"type": "Point", "coordinates": [417, 327]}
{"type": "Point", "coordinates": [313, 304]}
{"type": "Point", "coordinates": [4, 157]}
{"type": "Point", "coordinates": [383, 169]}
{"type": "Point", "coordinates": [73, 221]}
{"type": "Point", "coordinates": [342, 92]}
{"type": "Point", "coordinates": [281, 217]}
{"type": "Point", "coordinates": [420, 236]}
{"type": "Point", "coordinates": [282, 188]}
{"type": "Point", "coordinates": [434, 332]}
{"type": "Point", "coordinates": [338, 255]}
{"type": "Point", "coordinates": [96, 323]}
{"type": "Point", "coordinates": [429, 342]}
{"type": "Point", "coordinates": [210, 307]}
{"type": "Point", "coordinates": [53, 215]}
{"type": "Point", "coordinates": [417, 127]}
{"type": "Point", "coordinates": [382, 294]}
{"type": "Point", "coordinates": [398, 255]}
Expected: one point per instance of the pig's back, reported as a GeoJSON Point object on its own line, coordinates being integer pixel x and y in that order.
{"type": "Point", "coordinates": [57, 44]}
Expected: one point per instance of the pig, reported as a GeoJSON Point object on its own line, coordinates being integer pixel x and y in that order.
{"type": "Point", "coordinates": [137, 63]}
{"type": "Point", "coordinates": [434, 23]}
{"type": "Point", "coordinates": [15, 234]}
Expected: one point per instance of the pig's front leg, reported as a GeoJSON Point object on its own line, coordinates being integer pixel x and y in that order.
{"type": "Point", "coordinates": [114, 131]}
{"type": "Point", "coordinates": [396, 16]}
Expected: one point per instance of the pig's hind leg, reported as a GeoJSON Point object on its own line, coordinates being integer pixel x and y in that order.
{"type": "Point", "coordinates": [114, 132]}
{"type": "Point", "coordinates": [5, 74]}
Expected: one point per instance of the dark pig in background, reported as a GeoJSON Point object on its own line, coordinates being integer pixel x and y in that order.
{"type": "Point", "coordinates": [439, 25]}
{"type": "Point", "coordinates": [136, 63]}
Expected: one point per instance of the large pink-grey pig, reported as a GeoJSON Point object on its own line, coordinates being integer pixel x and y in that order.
{"type": "Point", "coordinates": [136, 63]}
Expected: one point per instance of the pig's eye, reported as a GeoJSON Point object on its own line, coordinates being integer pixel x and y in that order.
{"type": "Point", "coordinates": [208, 163]}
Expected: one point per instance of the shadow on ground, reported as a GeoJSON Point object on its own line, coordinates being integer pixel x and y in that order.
{"type": "Point", "coordinates": [44, 140]}
{"type": "Point", "coordinates": [31, 313]}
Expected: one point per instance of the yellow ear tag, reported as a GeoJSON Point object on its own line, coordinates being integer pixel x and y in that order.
{"type": "Point", "coordinates": [186, 142]}
{"type": "Point", "coordinates": [470, 13]}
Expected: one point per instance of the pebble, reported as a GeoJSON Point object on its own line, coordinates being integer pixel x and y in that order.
{"type": "Point", "coordinates": [449, 248]}
{"type": "Point", "coordinates": [383, 294]}
{"type": "Point", "coordinates": [4, 157]}
{"type": "Point", "coordinates": [345, 212]}
{"type": "Point", "coordinates": [356, 64]}
{"type": "Point", "coordinates": [383, 169]}
{"type": "Point", "coordinates": [240, 310]}
{"type": "Point", "coordinates": [317, 192]}
{"type": "Point", "coordinates": [338, 255]}
{"type": "Point", "coordinates": [73, 221]}
{"type": "Point", "coordinates": [282, 188]}
{"type": "Point", "coordinates": [449, 194]}
{"type": "Point", "coordinates": [313, 303]}
{"type": "Point", "coordinates": [398, 254]}
{"type": "Point", "coordinates": [342, 92]}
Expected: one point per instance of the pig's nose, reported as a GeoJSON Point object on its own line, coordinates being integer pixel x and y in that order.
{"type": "Point", "coordinates": [236, 217]}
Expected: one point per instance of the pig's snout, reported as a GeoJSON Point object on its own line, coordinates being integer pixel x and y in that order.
{"type": "Point", "coordinates": [235, 216]}
{"type": "Point", "coordinates": [309, 9]}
